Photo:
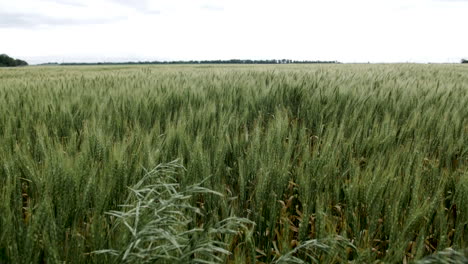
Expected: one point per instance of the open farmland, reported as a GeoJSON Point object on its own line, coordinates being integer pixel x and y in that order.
{"type": "Point", "coordinates": [319, 163]}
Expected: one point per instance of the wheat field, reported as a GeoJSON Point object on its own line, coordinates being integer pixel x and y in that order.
{"type": "Point", "coordinates": [349, 163]}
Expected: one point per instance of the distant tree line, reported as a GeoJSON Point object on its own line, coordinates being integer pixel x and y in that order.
{"type": "Point", "coordinates": [234, 61]}
{"type": "Point", "coordinates": [7, 61]}
{"type": "Point", "coordinates": [464, 61]}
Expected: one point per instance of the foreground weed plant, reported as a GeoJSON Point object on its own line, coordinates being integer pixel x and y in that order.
{"type": "Point", "coordinates": [161, 227]}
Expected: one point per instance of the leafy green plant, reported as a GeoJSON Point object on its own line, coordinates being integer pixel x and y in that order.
{"type": "Point", "coordinates": [446, 256]}
{"type": "Point", "coordinates": [161, 223]}
{"type": "Point", "coordinates": [316, 251]}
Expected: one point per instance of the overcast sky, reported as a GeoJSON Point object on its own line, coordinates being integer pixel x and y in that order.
{"type": "Point", "coordinates": [348, 31]}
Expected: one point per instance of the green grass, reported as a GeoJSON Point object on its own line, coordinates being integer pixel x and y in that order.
{"type": "Point", "coordinates": [331, 163]}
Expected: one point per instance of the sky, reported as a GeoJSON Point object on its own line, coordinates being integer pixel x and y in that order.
{"type": "Point", "coordinates": [40, 31]}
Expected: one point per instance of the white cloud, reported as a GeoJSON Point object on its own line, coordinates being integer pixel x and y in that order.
{"type": "Point", "coordinates": [349, 31]}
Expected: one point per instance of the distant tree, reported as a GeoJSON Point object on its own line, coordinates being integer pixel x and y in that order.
{"type": "Point", "coordinates": [20, 63]}
{"type": "Point", "coordinates": [464, 61]}
{"type": "Point", "coordinates": [231, 61]}
{"type": "Point", "coordinates": [7, 61]}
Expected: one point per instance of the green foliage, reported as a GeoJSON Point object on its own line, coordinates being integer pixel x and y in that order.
{"type": "Point", "coordinates": [160, 224]}
{"type": "Point", "coordinates": [233, 61]}
{"type": "Point", "coordinates": [333, 163]}
{"type": "Point", "coordinates": [446, 256]}
{"type": "Point", "coordinates": [6, 61]}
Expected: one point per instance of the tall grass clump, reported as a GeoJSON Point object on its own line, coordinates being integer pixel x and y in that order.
{"type": "Point", "coordinates": [281, 163]}
{"type": "Point", "coordinates": [160, 224]}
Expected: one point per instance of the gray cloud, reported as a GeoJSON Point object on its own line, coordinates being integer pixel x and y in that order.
{"type": "Point", "coordinates": [31, 20]}
{"type": "Point", "coordinates": [141, 6]}
{"type": "Point", "coordinates": [74, 3]}
{"type": "Point", "coordinates": [451, 1]}
{"type": "Point", "coordinates": [212, 7]}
